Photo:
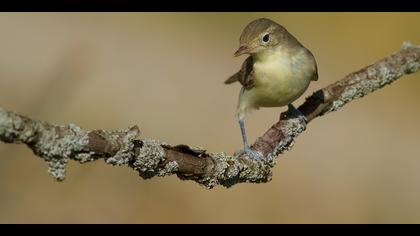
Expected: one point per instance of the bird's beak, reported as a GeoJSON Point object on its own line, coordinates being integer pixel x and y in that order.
{"type": "Point", "coordinates": [242, 50]}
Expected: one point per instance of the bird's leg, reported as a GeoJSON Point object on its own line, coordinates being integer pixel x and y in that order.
{"type": "Point", "coordinates": [247, 149]}
{"type": "Point", "coordinates": [244, 140]}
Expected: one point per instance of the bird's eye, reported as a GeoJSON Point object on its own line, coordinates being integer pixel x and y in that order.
{"type": "Point", "coordinates": [266, 38]}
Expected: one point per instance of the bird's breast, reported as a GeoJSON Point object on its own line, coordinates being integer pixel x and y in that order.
{"type": "Point", "coordinates": [280, 79]}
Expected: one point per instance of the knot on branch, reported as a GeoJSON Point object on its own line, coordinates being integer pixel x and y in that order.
{"type": "Point", "coordinates": [119, 144]}
{"type": "Point", "coordinates": [149, 157]}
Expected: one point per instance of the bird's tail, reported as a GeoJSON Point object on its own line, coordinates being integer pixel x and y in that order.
{"type": "Point", "coordinates": [232, 79]}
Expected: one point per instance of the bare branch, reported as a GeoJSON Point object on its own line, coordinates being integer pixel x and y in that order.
{"type": "Point", "coordinates": [59, 144]}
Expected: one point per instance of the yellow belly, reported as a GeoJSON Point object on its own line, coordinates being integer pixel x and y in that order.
{"type": "Point", "coordinates": [276, 93]}
{"type": "Point", "coordinates": [278, 82]}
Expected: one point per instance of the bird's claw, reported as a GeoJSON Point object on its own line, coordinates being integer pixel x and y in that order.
{"type": "Point", "coordinates": [293, 112]}
{"type": "Point", "coordinates": [253, 154]}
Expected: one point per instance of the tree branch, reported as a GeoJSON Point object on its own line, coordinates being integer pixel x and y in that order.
{"type": "Point", "coordinates": [59, 144]}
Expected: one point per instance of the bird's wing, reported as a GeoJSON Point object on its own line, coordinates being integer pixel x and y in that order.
{"type": "Point", "coordinates": [245, 75]}
{"type": "Point", "coordinates": [315, 76]}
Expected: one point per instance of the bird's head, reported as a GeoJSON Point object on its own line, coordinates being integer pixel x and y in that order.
{"type": "Point", "coordinates": [259, 35]}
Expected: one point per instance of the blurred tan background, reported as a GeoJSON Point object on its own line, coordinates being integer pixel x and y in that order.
{"type": "Point", "coordinates": [165, 72]}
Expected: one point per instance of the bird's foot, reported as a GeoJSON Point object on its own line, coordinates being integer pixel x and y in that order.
{"type": "Point", "coordinates": [292, 112]}
{"type": "Point", "coordinates": [253, 154]}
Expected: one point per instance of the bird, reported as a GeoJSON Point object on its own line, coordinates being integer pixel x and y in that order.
{"type": "Point", "coordinates": [277, 71]}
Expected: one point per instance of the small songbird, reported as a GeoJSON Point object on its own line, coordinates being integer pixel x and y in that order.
{"type": "Point", "coordinates": [277, 72]}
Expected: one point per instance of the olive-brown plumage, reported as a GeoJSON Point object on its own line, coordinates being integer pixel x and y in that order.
{"type": "Point", "coordinates": [277, 72]}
